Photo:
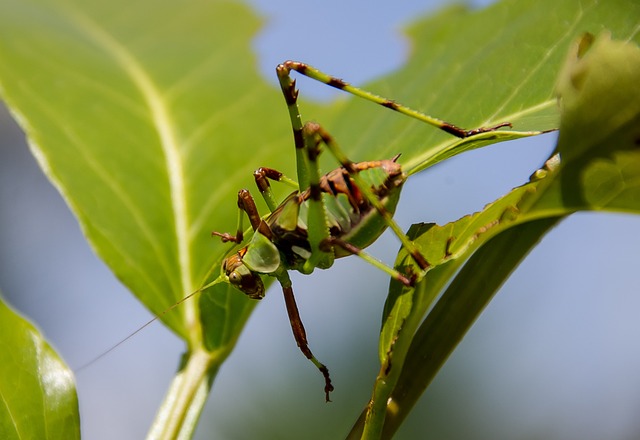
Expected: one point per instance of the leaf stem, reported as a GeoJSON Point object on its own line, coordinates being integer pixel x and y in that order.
{"type": "Point", "coordinates": [178, 415]}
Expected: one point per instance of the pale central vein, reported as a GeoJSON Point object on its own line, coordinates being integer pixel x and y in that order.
{"type": "Point", "coordinates": [162, 121]}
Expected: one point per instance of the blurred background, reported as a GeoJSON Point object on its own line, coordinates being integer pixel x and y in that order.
{"type": "Point", "coordinates": [554, 356]}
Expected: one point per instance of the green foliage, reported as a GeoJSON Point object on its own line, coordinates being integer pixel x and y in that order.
{"type": "Point", "coordinates": [37, 389]}
{"type": "Point", "coordinates": [122, 118]}
{"type": "Point", "coordinates": [149, 129]}
{"type": "Point", "coordinates": [597, 150]}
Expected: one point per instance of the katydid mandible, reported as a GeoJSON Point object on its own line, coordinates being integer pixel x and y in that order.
{"type": "Point", "coordinates": [327, 216]}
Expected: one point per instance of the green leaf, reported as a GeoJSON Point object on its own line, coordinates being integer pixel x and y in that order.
{"type": "Point", "coordinates": [456, 311]}
{"type": "Point", "coordinates": [603, 168]}
{"type": "Point", "coordinates": [466, 74]}
{"type": "Point", "coordinates": [37, 389]}
{"type": "Point", "coordinates": [134, 125]}
{"type": "Point", "coordinates": [148, 129]}
{"type": "Point", "coordinates": [216, 305]}
{"type": "Point", "coordinates": [600, 95]}
{"type": "Point", "coordinates": [600, 131]}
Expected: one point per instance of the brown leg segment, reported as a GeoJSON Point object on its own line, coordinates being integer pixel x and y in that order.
{"type": "Point", "coordinates": [248, 205]}
{"type": "Point", "coordinates": [300, 336]}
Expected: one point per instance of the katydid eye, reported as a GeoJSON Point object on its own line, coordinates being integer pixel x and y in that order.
{"type": "Point", "coordinates": [235, 278]}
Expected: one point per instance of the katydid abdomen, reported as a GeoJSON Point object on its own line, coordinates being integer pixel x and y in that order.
{"type": "Point", "coordinates": [351, 218]}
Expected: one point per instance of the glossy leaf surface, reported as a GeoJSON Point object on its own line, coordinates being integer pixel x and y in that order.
{"type": "Point", "coordinates": [37, 390]}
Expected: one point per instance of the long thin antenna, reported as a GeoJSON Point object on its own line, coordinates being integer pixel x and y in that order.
{"type": "Point", "coordinates": [151, 321]}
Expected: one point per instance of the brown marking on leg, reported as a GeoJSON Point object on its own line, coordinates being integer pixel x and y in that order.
{"type": "Point", "coordinates": [248, 205]}
{"type": "Point", "coordinates": [300, 336]}
{"type": "Point", "coordinates": [487, 129]}
{"type": "Point", "coordinates": [262, 174]}
{"type": "Point", "coordinates": [226, 237]}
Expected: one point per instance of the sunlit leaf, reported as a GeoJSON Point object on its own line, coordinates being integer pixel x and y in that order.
{"type": "Point", "coordinates": [37, 389]}
{"type": "Point", "coordinates": [143, 128]}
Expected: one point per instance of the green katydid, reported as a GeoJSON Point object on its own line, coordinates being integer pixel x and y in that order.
{"type": "Point", "coordinates": [325, 217]}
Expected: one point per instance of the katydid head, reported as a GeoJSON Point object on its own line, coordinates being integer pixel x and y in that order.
{"type": "Point", "coordinates": [244, 267]}
{"type": "Point", "coordinates": [241, 277]}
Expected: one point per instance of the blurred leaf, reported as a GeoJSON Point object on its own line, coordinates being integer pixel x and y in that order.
{"type": "Point", "coordinates": [476, 68]}
{"type": "Point", "coordinates": [599, 92]}
{"type": "Point", "coordinates": [600, 132]}
{"type": "Point", "coordinates": [37, 390]}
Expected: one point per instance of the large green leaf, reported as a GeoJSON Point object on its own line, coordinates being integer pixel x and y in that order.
{"type": "Point", "coordinates": [138, 125]}
{"type": "Point", "coordinates": [37, 391]}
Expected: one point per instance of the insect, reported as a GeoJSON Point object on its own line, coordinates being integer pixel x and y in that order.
{"type": "Point", "coordinates": [326, 216]}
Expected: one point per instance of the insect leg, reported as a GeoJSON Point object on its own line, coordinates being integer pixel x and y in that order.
{"type": "Point", "coordinates": [247, 205]}
{"type": "Point", "coordinates": [317, 227]}
{"type": "Point", "coordinates": [262, 176]}
{"type": "Point", "coordinates": [299, 332]}
{"type": "Point", "coordinates": [396, 275]}
{"type": "Point", "coordinates": [290, 94]}
{"type": "Point", "coordinates": [313, 73]}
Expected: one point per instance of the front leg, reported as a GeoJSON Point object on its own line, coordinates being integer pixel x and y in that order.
{"type": "Point", "coordinates": [247, 205]}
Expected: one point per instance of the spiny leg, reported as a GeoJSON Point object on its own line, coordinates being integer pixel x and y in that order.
{"type": "Point", "coordinates": [308, 137]}
{"type": "Point", "coordinates": [299, 332]}
{"type": "Point", "coordinates": [317, 227]}
{"type": "Point", "coordinates": [284, 69]}
{"type": "Point", "coordinates": [288, 86]}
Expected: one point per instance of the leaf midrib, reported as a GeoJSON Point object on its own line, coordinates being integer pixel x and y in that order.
{"type": "Point", "coordinates": [168, 139]}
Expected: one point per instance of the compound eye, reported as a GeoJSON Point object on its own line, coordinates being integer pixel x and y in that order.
{"type": "Point", "coordinates": [235, 278]}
